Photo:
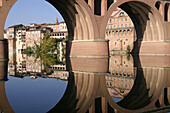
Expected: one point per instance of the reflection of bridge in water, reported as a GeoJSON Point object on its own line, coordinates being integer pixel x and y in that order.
{"type": "Point", "coordinates": [87, 89]}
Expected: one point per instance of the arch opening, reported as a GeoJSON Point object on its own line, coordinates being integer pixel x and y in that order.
{"type": "Point", "coordinates": [147, 22]}
{"type": "Point", "coordinates": [166, 15]}
{"type": "Point", "coordinates": [97, 7]}
{"type": "Point", "coordinates": [157, 5]}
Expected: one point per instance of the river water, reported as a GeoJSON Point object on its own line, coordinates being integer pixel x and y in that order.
{"type": "Point", "coordinates": [118, 84]}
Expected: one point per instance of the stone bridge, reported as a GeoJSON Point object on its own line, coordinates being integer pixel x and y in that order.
{"type": "Point", "coordinates": [87, 19]}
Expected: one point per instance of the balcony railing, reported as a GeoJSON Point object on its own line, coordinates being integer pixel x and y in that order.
{"type": "Point", "coordinates": [122, 28]}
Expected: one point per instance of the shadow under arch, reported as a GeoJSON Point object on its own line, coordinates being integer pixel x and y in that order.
{"type": "Point", "coordinates": [148, 22]}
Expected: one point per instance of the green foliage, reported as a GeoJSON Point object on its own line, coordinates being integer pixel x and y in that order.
{"type": "Point", "coordinates": [48, 60]}
{"type": "Point", "coordinates": [128, 57]}
{"type": "Point", "coordinates": [128, 49]}
{"type": "Point", "coordinates": [66, 38]}
{"type": "Point", "coordinates": [48, 44]}
{"type": "Point", "coordinates": [28, 51]}
{"type": "Point", "coordinates": [45, 51]}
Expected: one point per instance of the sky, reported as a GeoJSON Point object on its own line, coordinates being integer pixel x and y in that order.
{"type": "Point", "coordinates": [32, 11]}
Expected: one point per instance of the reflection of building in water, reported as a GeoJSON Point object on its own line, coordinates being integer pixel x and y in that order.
{"type": "Point", "coordinates": [120, 31]}
{"type": "Point", "coordinates": [63, 75]}
{"type": "Point", "coordinates": [34, 65]}
{"type": "Point", "coordinates": [59, 67]}
{"type": "Point", "coordinates": [119, 85]}
{"type": "Point", "coordinates": [122, 76]}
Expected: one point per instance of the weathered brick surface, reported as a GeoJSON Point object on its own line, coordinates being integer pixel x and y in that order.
{"type": "Point", "coordinates": [89, 49]}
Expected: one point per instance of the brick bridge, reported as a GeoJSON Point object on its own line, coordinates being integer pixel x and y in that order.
{"type": "Point", "coordinates": [87, 19]}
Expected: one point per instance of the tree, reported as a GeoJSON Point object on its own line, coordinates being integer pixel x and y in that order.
{"type": "Point", "coordinates": [28, 51]}
{"type": "Point", "coordinates": [48, 44]}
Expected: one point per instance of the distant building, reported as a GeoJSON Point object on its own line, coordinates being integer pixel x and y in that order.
{"type": "Point", "coordinates": [20, 37]}
{"type": "Point", "coordinates": [36, 34]}
{"type": "Point", "coordinates": [120, 31]}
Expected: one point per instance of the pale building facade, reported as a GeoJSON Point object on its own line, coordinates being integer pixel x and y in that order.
{"type": "Point", "coordinates": [36, 34]}
{"type": "Point", "coordinates": [120, 31]}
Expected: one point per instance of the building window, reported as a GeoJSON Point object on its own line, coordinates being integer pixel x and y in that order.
{"type": "Point", "coordinates": [129, 79]}
{"type": "Point", "coordinates": [122, 33]}
{"type": "Point", "coordinates": [114, 84]}
{"type": "Point", "coordinates": [110, 20]}
{"type": "Point", "coordinates": [107, 34]}
{"type": "Point", "coordinates": [118, 26]}
{"type": "Point", "coordinates": [114, 20]}
{"type": "Point", "coordinates": [122, 13]}
{"type": "Point", "coordinates": [117, 33]}
{"type": "Point", "coordinates": [126, 26]}
{"type": "Point", "coordinates": [114, 33]}
{"type": "Point", "coordinates": [125, 33]}
{"type": "Point", "coordinates": [115, 43]}
{"type": "Point", "coordinates": [121, 19]}
{"type": "Point", "coordinates": [122, 87]}
{"type": "Point", "coordinates": [122, 78]}
{"type": "Point", "coordinates": [117, 19]}
{"type": "Point", "coordinates": [129, 33]}
{"type": "Point", "coordinates": [130, 25]}
{"type": "Point", "coordinates": [126, 19]}
{"type": "Point", "coordinates": [122, 26]}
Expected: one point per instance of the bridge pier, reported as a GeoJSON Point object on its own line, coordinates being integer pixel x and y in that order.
{"type": "Point", "coordinates": [152, 48]}
{"type": "Point", "coordinates": [3, 49]}
{"type": "Point", "coordinates": [3, 70]}
{"type": "Point", "coordinates": [88, 48]}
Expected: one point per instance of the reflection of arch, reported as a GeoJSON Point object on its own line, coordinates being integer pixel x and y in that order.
{"type": "Point", "coordinates": [85, 90]}
{"type": "Point", "coordinates": [79, 93]}
{"type": "Point", "coordinates": [4, 104]}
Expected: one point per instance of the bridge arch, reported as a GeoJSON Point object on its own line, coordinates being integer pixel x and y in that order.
{"type": "Point", "coordinates": [147, 20]}
{"type": "Point", "coordinates": [76, 14]}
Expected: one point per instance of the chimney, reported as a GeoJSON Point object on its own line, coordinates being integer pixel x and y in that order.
{"type": "Point", "coordinates": [56, 20]}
